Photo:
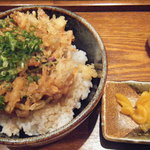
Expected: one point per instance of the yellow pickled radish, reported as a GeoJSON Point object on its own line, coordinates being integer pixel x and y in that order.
{"type": "Point", "coordinates": [145, 96]}
{"type": "Point", "coordinates": [127, 110]}
{"type": "Point", "coordinates": [146, 105]}
{"type": "Point", "coordinates": [122, 100]}
{"type": "Point", "coordinates": [145, 127]}
{"type": "Point", "coordinates": [140, 115]}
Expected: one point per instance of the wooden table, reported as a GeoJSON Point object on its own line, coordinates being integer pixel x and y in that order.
{"type": "Point", "coordinates": [124, 28]}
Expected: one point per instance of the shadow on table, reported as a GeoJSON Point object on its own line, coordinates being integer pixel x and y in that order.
{"type": "Point", "coordinates": [120, 146]}
{"type": "Point", "coordinates": [75, 139]}
{"type": "Point", "coordinates": [147, 47]}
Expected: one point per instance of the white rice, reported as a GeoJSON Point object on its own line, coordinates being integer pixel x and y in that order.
{"type": "Point", "coordinates": [56, 114]}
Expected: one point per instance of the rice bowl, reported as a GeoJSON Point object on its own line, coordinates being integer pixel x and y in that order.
{"type": "Point", "coordinates": [48, 121]}
{"type": "Point", "coordinates": [42, 95]}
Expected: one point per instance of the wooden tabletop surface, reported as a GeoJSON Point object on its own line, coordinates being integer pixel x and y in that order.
{"type": "Point", "coordinates": [74, 2]}
{"type": "Point", "coordinates": [124, 34]}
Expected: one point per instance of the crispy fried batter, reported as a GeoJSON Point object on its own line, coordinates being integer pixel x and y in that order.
{"type": "Point", "coordinates": [55, 68]}
{"type": "Point", "coordinates": [15, 95]}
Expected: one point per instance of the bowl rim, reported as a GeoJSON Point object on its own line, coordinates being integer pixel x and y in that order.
{"type": "Point", "coordinates": [56, 134]}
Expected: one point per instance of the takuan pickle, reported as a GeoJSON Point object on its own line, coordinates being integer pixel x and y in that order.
{"type": "Point", "coordinates": [140, 113]}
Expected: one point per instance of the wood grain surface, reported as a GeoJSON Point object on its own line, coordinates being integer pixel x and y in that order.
{"type": "Point", "coordinates": [124, 34]}
{"type": "Point", "coordinates": [125, 38]}
{"type": "Point", "coordinates": [75, 2]}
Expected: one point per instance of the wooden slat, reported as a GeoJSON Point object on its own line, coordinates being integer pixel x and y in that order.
{"type": "Point", "coordinates": [82, 6]}
{"type": "Point", "coordinates": [25, 2]}
{"type": "Point", "coordinates": [101, 2]}
{"type": "Point", "coordinates": [75, 2]}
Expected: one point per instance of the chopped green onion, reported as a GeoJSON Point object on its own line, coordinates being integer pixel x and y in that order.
{"type": "Point", "coordinates": [33, 78]}
{"type": "Point", "coordinates": [16, 51]}
{"type": "Point", "coordinates": [3, 23]}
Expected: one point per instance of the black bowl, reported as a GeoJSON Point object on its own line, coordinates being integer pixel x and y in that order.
{"type": "Point", "coordinates": [86, 39]}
